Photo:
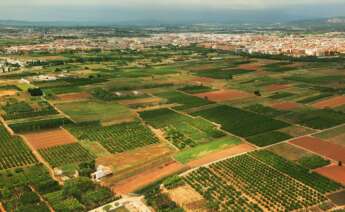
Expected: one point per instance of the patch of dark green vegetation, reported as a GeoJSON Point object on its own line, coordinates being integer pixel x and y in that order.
{"type": "Point", "coordinates": [279, 67]}
{"type": "Point", "coordinates": [313, 162]}
{"type": "Point", "coordinates": [268, 138]}
{"type": "Point", "coordinates": [193, 89]}
{"type": "Point", "coordinates": [312, 179]}
{"type": "Point", "coordinates": [186, 101]}
{"type": "Point", "coordinates": [222, 74]}
{"type": "Point", "coordinates": [281, 95]}
{"type": "Point", "coordinates": [19, 109]}
{"type": "Point", "coordinates": [314, 98]}
{"type": "Point", "coordinates": [317, 119]}
{"type": "Point", "coordinates": [264, 110]}
{"type": "Point", "coordinates": [317, 80]}
{"type": "Point", "coordinates": [240, 122]}
{"type": "Point", "coordinates": [9, 87]}
{"type": "Point", "coordinates": [37, 125]}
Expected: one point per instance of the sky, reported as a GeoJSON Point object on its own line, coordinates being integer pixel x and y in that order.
{"type": "Point", "coordinates": [169, 10]}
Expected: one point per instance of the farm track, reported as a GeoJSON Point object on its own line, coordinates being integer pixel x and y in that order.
{"type": "Point", "coordinates": [42, 160]}
{"type": "Point", "coordinates": [42, 199]}
{"type": "Point", "coordinates": [263, 148]}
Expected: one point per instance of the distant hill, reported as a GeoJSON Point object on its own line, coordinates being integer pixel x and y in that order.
{"type": "Point", "coordinates": [333, 23]}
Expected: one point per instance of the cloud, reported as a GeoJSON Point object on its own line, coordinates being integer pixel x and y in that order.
{"type": "Point", "coordinates": [229, 4]}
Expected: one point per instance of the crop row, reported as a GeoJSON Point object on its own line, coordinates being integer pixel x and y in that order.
{"type": "Point", "coordinates": [178, 139]}
{"type": "Point", "coordinates": [66, 154]}
{"type": "Point", "coordinates": [240, 122]}
{"type": "Point", "coordinates": [13, 151]}
{"type": "Point", "coordinates": [244, 181]}
{"type": "Point", "coordinates": [20, 110]}
{"type": "Point", "coordinates": [116, 138]}
{"type": "Point", "coordinates": [312, 179]}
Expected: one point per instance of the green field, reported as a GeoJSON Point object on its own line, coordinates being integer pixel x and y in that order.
{"type": "Point", "coordinates": [204, 149]}
{"type": "Point", "coordinates": [240, 122]}
{"type": "Point", "coordinates": [115, 138]}
{"type": "Point", "coordinates": [95, 110]}
{"type": "Point", "coordinates": [65, 154]}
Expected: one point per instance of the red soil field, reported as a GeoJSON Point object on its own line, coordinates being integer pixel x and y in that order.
{"type": "Point", "coordinates": [223, 95]}
{"type": "Point", "coordinates": [73, 96]}
{"type": "Point", "coordinates": [334, 172]}
{"type": "Point", "coordinates": [202, 80]}
{"type": "Point", "coordinates": [241, 148]}
{"type": "Point", "coordinates": [50, 138]}
{"type": "Point", "coordinates": [145, 178]}
{"type": "Point", "coordinates": [331, 103]}
{"type": "Point", "coordinates": [286, 106]}
{"type": "Point", "coordinates": [327, 149]}
{"type": "Point", "coordinates": [276, 87]}
{"type": "Point", "coordinates": [250, 66]}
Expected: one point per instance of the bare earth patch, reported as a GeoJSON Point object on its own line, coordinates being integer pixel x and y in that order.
{"type": "Point", "coordinates": [223, 95]}
{"type": "Point", "coordinates": [238, 149]}
{"type": "Point", "coordinates": [330, 103]}
{"type": "Point", "coordinates": [277, 87]}
{"type": "Point", "coordinates": [330, 150]}
{"type": "Point", "coordinates": [286, 106]}
{"type": "Point", "coordinates": [147, 177]}
{"type": "Point", "coordinates": [187, 198]}
{"type": "Point", "coordinates": [50, 138]}
{"type": "Point", "coordinates": [73, 96]}
{"type": "Point", "coordinates": [137, 157]}
{"type": "Point", "coordinates": [334, 172]}
{"type": "Point", "coordinates": [140, 101]}
{"type": "Point", "coordinates": [202, 80]}
{"type": "Point", "coordinates": [8, 93]}
{"type": "Point", "coordinates": [250, 66]}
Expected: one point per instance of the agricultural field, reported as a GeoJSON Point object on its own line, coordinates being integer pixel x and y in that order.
{"type": "Point", "coordinates": [14, 152]}
{"type": "Point", "coordinates": [65, 154]}
{"type": "Point", "coordinates": [230, 185]}
{"type": "Point", "coordinates": [87, 111]}
{"type": "Point", "coordinates": [15, 109]}
{"type": "Point", "coordinates": [190, 128]}
{"type": "Point", "coordinates": [240, 122]}
{"type": "Point", "coordinates": [185, 101]}
{"type": "Point", "coordinates": [115, 138]}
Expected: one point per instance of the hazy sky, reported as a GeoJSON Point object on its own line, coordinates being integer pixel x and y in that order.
{"type": "Point", "coordinates": [130, 10]}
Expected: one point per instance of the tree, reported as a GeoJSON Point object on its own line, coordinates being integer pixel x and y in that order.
{"type": "Point", "coordinates": [257, 93]}
{"type": "Point", "coordinates": [35, 91]}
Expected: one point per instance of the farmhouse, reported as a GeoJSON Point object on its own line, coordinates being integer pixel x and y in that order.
{"type": "Point", "coordinates": [102, 171]}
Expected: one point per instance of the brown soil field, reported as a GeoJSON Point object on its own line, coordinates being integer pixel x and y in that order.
{"type": "Point", "coordinates": [338, 198]}
{"type": "Point", "coordinates": [238, 149]}
{"type": "Point", "coordinates": [339, 140]}
{"type": "Point", "coordinates": [50, 138]}
{"type": "Point", "coordinates": [8, 93]}
{"type": "Point", "coordinates": [203, 67]}
{"type": "Point", "coordinates": [250, 66]}
{"type": "Point", "coordinates": [297, 131]}
{"type": "Point", "coordinates": [288, 151]}
{"type": "Point", "coordinates": [327, 149]}
{"type": "Point", "coordinates": [187, 198]}
{"type": "Point", "coordinates": [276, 87]}
{"type": "Point", "coordinates": [285, 106]}
{"type": "Point", "coordinates": [147, 177]}
{"type": "Point", "coordinates": [330, 103]}
{"type": "Point", "coordinates": [73, 96]}
{"type": "Point", "coordinates": [334, 172]}
{"type": "Point", "coordinates": [202, 80]}
{"type": "Point", "coordinates": [223, 95]}
{"type": "Point", "coordinates": [140, 101]}
{"type": "Point", "coordinates": [129, 159]}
